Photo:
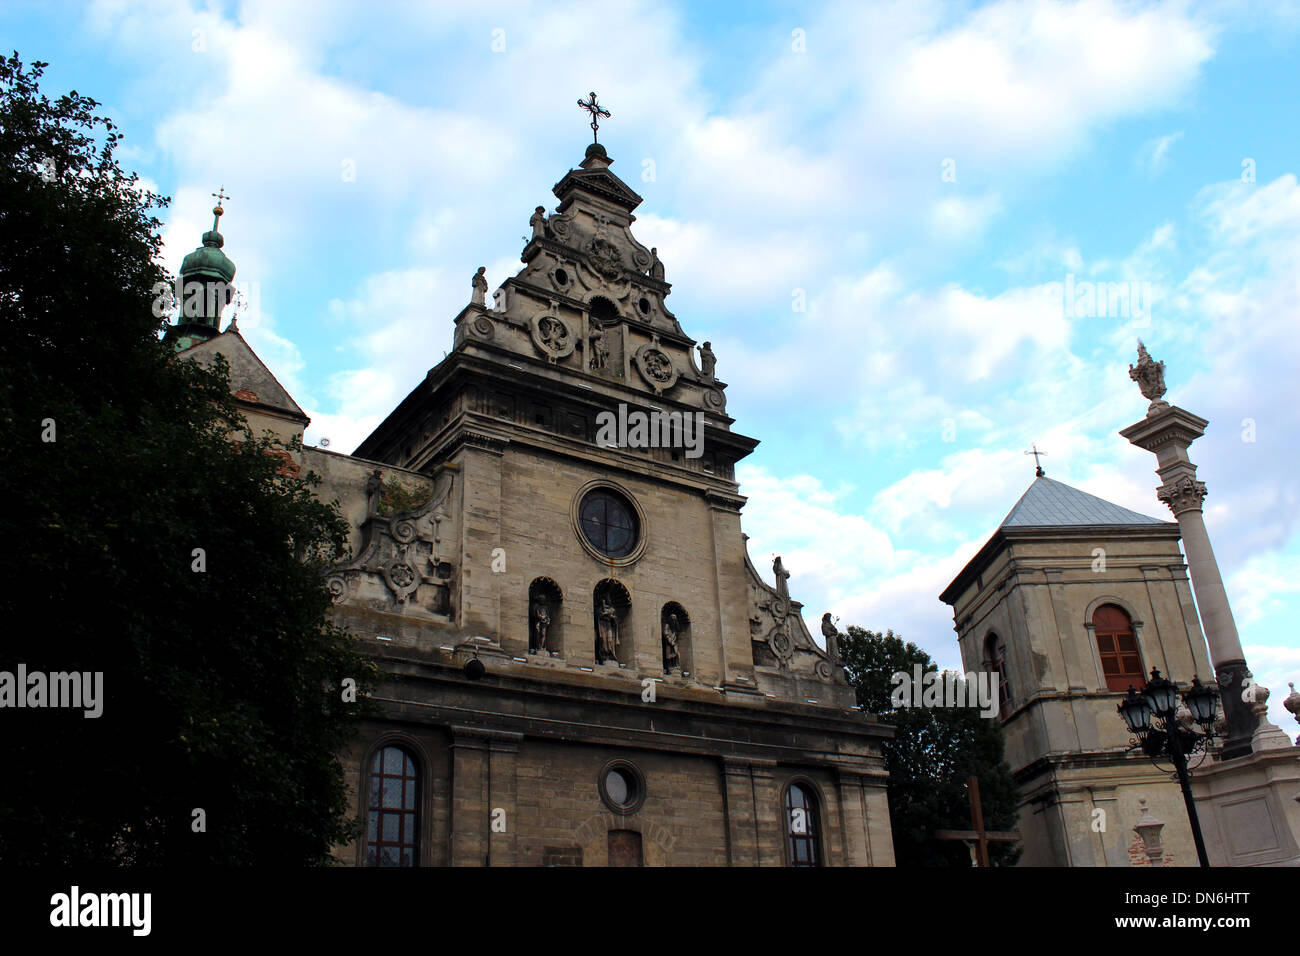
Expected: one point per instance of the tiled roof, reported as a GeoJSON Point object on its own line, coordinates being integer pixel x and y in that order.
{"type": "Point", "coordinates": [1049, 503]}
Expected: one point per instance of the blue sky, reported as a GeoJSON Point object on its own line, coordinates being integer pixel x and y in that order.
{"type": "Point", "coordinates": [926, 177]}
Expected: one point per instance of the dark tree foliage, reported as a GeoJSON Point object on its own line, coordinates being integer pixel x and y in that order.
{"type": "Point", "coordinates": [933, 751]}
{"type": "Point", "coordinates": [221, 689]}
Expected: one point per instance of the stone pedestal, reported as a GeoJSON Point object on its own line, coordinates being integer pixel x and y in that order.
{"type": "Point", "coordinates": [1248, 809]}
{"type": "Point", "coordinates": [1168, 431]}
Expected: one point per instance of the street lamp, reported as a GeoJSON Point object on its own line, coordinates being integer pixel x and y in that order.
{"type": "Point", "coordinates": [1153, 718]}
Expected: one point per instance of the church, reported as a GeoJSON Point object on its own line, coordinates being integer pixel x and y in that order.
{"type": "Point", "coordinates": [584, 667]}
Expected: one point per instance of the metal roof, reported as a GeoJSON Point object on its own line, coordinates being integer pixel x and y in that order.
{"type": "Point", "coordinates": [1049, 503]}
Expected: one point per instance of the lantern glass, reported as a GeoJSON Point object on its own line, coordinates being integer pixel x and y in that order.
{"type": "Point", "coordinates": [1160, 693]}
{"type": "Point", "coordinates": [1202, 701]}
{"type": "Point", "coordinates": [1136, 711]}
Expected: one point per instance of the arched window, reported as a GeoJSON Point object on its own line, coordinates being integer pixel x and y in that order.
{"type": "Point", "coordinates": [995, 660]}
{"type": "Point", "coordinates": [1121, 662]}
{"type": "Point", "coordinates": [802, 826]}
{"type": "Point", "coordinates": [393, 833]}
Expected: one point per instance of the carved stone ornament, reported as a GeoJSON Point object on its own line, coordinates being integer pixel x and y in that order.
{"type": "Point", "coordinates": [655, 367]}
{"type": "Point", "coordinates": [399, 557]}
{"type": "Point", "coordinates": [482, 327]}
{"type": "Point", "coordinates": [715, 398]}
{"type": "Point", "coordinates": [552, 337]}
{"type": "Point", "coordinates": [1182, 494]}
{"type": "Point", "coordinates": [1149, 374]}
{"type": "Point", "coordinates": [782, 645]}
{"type": "Point", "coordinates": [605, 257]}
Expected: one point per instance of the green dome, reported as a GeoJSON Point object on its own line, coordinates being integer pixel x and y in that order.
{"type": "Point", "coordinates": [208, 260]}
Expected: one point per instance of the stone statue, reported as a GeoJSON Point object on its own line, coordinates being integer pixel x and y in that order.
{"type": "Point", "coordinates": [782, 576]}
{"type": "Point", "coordinates": [832, 635]}
{"type": "Point", "coordinates": [656, 267]}
{"type": "Point", "coordinates": [480, 287]}
{"type": "Point", "coordinates": [671, 632]}
{"type": "Point", "coordinates": [1149, 374]}
{"type": "Point", "coordinates": [599, 352]}
{"type": "Point", "coordinates": [606, 632]}
{"type": "Point", "coordinates": [541, 625]}
{"type": "Point", "coordinates": [538, 222]}
{"type": "Point", "coordinates": [707, 360]}
{"type": "Point", "coordinates": [374, 492]}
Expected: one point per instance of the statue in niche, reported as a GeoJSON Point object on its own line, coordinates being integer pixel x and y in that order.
{"type": "Point", "coordinates": [541, 625]}
{"type": "Point", "coordinates": [708, 361]}
{"type": "Point", "coordinates": [374, 492]}
{"type": "Point", "coordinates": [832, 635]}
{"type": "Point", "coordinates": [782, 576]}
{"type": "Point", "coordinates": [606, 632]}
{"type": "Point", "coordinates": [599, 351]}
{"type": "Point", "coordinates": [656, 267]}
{"type": "Point", "coordinates": [672, 631]}
{"type": "Point", "coordinates": [479, 282]}
{"type": "Point", "coordinates": [538, 222]}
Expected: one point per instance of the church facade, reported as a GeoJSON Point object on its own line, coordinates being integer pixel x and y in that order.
{"type": "Point", "coordinates": [583, 666]}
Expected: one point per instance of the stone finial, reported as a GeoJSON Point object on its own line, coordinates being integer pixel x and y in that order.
{"type": "Point", "coordinates": [1148, 830]}
{"type": "Point", "coordinates": [1267, 735]}
{"type": "Point", "coordinates": [1292, 702]}
{"type": "Point", "coordinates": [1150, 376]}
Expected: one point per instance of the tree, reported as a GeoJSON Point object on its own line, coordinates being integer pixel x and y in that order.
{"type": "Point", "coordinates": [149, 537]}
{"type": "Point", "coordinates": [933, 751]}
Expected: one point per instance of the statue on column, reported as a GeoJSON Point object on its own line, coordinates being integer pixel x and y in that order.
{"type": "Point", "coordinates": [541, 625]}
{"type": "Point", "coordinates": [606, 632]}
{"type": "Point", "coordinates": [1150, 376]}
{"type": "Point", "coordinates": [832, 635]}
{"type": "Point", "coordinates": [656, 267]}
{"type": "Point", "coordinates": [708, 361]}
{"type": "Point", "coordinates": [672, 631]}
{"type": "Point", "coordinates": [538, 222]}
{"type": "Point", "coordinates": [782, 576]}
{"type": "Point", "coordinates": [479, 282]}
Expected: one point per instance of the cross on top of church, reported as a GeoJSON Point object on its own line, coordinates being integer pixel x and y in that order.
{"type": "Point", "coordinates": [217, 211]}
{"type": "Point", "coordinates": [596, 111]}
{"type": "Point", "coordinates": [1038, 467]}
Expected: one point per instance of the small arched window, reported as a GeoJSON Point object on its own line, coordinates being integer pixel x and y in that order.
{"type": "Point", "coordinates": [802, 826]}
{"type": "Point", "coordinates": [1121, 662]}
{"type": "Point", "coordinates": [995, 659]}
{"type": "Point", "coordinates": [393, 831]}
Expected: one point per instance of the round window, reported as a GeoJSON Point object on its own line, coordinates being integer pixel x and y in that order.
{"type": "Point", "coordinates": [622, 787]}
{"type": "Point", "coordinates": [609, 523]}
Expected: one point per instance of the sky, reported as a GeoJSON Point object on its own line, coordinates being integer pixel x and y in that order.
{"type": "Point", "coordinates": [886, 217]}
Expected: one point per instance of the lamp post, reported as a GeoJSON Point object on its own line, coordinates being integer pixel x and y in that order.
{"type": "Point", "coordinates": [1153, 718]}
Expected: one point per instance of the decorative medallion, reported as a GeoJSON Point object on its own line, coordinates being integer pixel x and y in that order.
{"type": "Point", "coordinates": [715, 398]}
{"type": "Point", "coordinates": [823, 670]}
{"type": "Point", "coordinates": [655, 367]}
{"type": "Point", "coordinates": [482, 327]}
{"type": "Point", "coordinates": [782, 645]}
{"type": "Point", "coordinates": [552, 337]}
{"type": "Point", "coordinates": [640, 259]}
{"type": "Point", "coordinates": [402, 578]}
{"type": "Point", "coordinates": [605, 257]}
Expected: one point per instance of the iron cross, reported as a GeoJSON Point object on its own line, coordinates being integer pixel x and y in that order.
{"type": "Point", "coordinates": [216, 213]}
{"type": "Point", "coordinates": [1038, 468]}
{"type": "Point", "coordinates": [594, 108]}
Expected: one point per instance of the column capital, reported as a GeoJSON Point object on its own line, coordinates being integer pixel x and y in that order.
{"type": "Point", "coordinates": [1183, 493]}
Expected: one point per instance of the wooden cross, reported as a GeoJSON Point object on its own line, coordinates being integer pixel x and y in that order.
{"type": "Point", "coordinates": [1038, 468]}
{"type": "Point", "coordinates": [977, 839]}
{"type": "Point", "coordinates": [596, 111]}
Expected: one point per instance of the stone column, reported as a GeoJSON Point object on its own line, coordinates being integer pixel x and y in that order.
{"type": "Point", "coordinates": [1169, 431]}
